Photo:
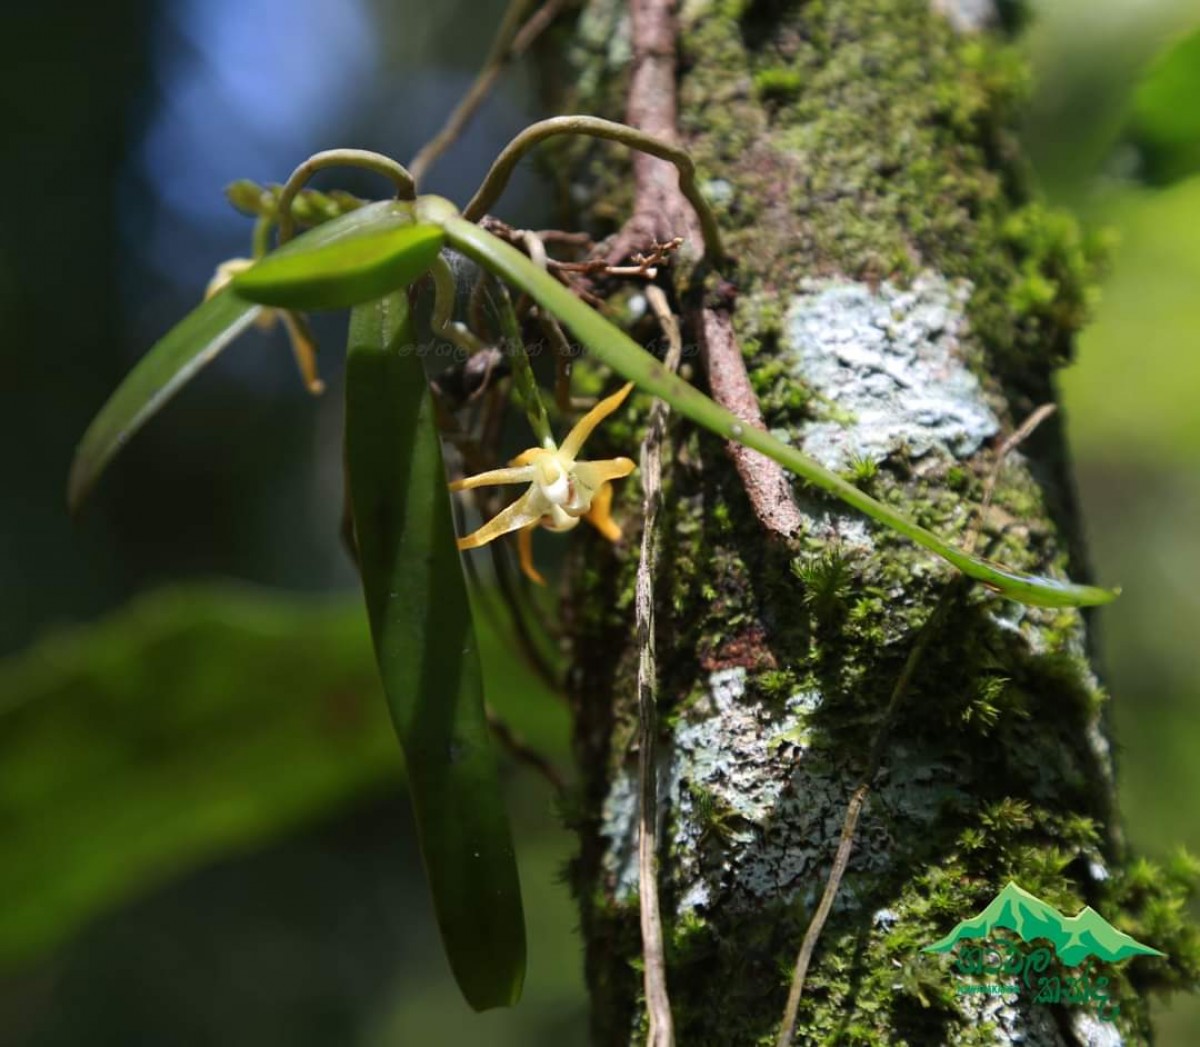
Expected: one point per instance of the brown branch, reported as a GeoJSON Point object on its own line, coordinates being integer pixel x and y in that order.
{"type": "Point", "coordinates": [766, 484]}
{"type": "Point", "coordinates": [660, 214]}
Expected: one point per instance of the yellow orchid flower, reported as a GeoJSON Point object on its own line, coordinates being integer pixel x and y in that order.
{"type": "Point", "coordinates": [562, 489]}
{"type": "Point", "coordinates": [303, 346]}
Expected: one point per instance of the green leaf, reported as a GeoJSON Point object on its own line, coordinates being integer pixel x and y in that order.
{"type": "Point", "coordinates": [195, 341]}
{"type": "Point", "coordinates": [428, 659]}
{"type": "Point", "coordinates": [172, 362]}
{"type": "Point", "coordinates": [382, 251]}
{"type": "Point", "coordinates": [623, 355]}
{"type": "Point", "coordinates": [1165, 119]}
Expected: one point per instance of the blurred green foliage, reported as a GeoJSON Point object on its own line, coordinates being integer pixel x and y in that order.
{"type": "Point", "coordinates": [1131, 402]}
{"type": "Point", "coordinates": [1133, 397]}
{"type": "Point", "coordinates": [201, 722]}
{"type": "Point", "coordinates": [193, 722]}
{"type": "Point", "coordinates": [1164, 120]}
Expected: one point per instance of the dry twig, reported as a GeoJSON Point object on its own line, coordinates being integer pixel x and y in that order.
{"type": "Point", "coordinates": [850, 824]}
{"type": "Point", "coordinates": [1013, 441]}
{"type": "Point", "coordinates": [521, 751]}
{"type": "Point", "coordinates": [658, 1003]}
{"type": "Point", "coordinates": [510, 43]}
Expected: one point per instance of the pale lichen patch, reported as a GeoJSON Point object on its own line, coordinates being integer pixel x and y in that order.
{"type": "Point", "coordinates": [1010, 1023]}
{"type": "Point", "coordinates": [1090, 1031]}
{"type": "Point", "coordinates": [889, 358]}
{"type": "Point", "coordinates": [967, 16]}
{"type": "Point", "coordinates": [745, 771]}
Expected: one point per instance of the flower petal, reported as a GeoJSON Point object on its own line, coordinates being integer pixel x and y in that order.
{"type": "Point", "coordinates": [524, 512]}
{"type": "Point", "coordinates": [600, 516]}
{"type": "Point", "coordinates": [304, 348]}
{"type": "Point", "coordinates": [523, 475]}
{"type": "Point", "coordinates": [576, 438]}
{"type": "Point", "coordinates": [525, 554]}
{"type": "Point", "coordinates": [593, 474]}
{"type": "Point", "coordinates": [532, 456]}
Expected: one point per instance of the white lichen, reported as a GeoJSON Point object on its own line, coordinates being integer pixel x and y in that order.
{"type": "Point", "coordinates": [753, 811]}
{"type": "Point", "coordinates": [967, 16]}
{"type": "Point", "coordinates": [890, 360]}
{"type": "Point", "coordinates": [718, 191]}
{"type": "Point", "coordinates": [1013, 1022]}
{"type": "Point", "coordinates": [1090, 1031]}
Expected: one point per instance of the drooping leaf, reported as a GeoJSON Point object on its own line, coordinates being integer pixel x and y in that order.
{"type": "Point", "coordinates": [426, 650]}
{"type": "Point", "coordinates": [197, 339]}
{"type": "Point", "coordinates": [1164, 122]}
{"type": "Point", "coordinates": [623, 355]}
{"type": "Point", "coordinates": [323, 272]}
{"type": "Point", "coordinates": [169, 365]}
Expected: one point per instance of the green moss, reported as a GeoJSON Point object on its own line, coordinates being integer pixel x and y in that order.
{"type": "Point", "coordinates": [778, 84]}
{"type": "Point", "coordinates": [712, 814]}
{"type": "Point", "coordinates": [957, 478]}
{"type": "Point", "coordinates": [862, 470]}
{"type": "Point", "coordinates": [826, 579]}
{"type": "Point", "coordinates": [775, 685]}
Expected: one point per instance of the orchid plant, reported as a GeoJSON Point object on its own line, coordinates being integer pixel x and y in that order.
{"type": "Point", "coordinates": [366, 259]}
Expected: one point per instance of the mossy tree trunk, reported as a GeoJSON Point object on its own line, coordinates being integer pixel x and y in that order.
{"type": "Point", "coordinates": [901, 306]}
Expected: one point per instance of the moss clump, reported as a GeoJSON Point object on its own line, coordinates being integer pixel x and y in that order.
{"type": "Point", "coordinates": [778, 84]}
{"type": "Point", "coordinates": [827, 579]}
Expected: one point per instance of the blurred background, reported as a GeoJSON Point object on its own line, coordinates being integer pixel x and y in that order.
{"type": "Point", "coordinates": [203, 832]}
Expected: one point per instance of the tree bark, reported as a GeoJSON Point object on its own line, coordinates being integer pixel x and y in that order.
{"type": "Point", "coordinates": [900, 305]}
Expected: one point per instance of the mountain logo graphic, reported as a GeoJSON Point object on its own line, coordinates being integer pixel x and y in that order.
{"type": "Point", "coordinates": [1074, 938]}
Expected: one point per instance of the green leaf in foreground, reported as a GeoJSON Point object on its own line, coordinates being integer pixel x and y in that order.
{"type": "Point", "coordinates": [169, 365]}
{"type": "Point", "coordinates": [1164, 122]}
{"type": "Point", "coordinates": [425, 646]}
{"type": "Point", "coordinates": [623, 355]}
{"type": "Point", "coordinates": [195, 341]}
{"type": "Point", "coordinates": [315, 272]}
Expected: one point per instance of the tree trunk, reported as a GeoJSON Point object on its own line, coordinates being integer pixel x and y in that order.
{"type": "Point", "coordinates": [901, 306]}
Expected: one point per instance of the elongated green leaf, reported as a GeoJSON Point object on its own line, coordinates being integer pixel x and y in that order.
{"type": "Point", "coordinates": [425, 646]}
{"type": "Point", "coordinates": [623, 355]}
{"type": "Point", "coordinates": [172, 362]}
{"type": "Point", "coordinates": [1165, 119]}
{"type": "Point", "coordinates": [195, 341]}
{"type": "Point", "coordinates": [313, 272]}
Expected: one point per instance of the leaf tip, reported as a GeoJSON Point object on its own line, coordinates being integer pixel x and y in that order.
{"type": "Point", "coordinates": [79, 485]}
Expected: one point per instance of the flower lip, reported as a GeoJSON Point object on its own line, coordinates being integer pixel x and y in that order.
{"type": "Point", "coordinates": [562, 490]}
{"type": "Point", "coordinates": [555, 481]}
